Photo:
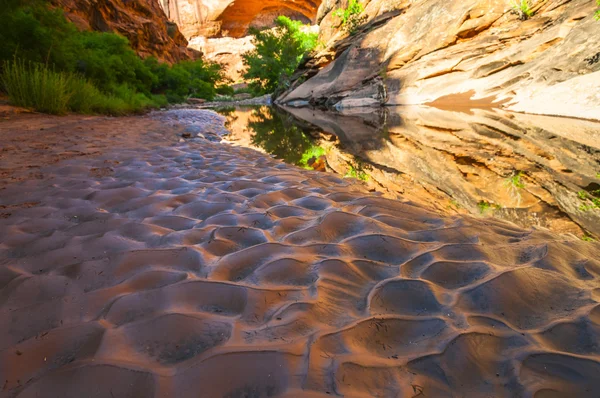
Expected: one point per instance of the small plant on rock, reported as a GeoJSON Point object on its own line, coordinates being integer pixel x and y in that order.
{"type": "Point", "coordinates": [350, 16]}
{"type": "Point", "coordinates": [515, 180]}
{"type": "Point", "coordinates": [589, 202]}
{"type": "Point", "coordinates": [522, 8]}
{"type": "Point", "coordinates": [598, 12]}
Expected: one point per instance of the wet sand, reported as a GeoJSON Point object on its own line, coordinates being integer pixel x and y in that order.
{"type": "Point", "coordinates": [139, 264]}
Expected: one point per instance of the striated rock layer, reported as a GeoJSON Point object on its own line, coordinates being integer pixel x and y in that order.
{"type": "Point", "coordinates": [200, 269]}
{"type": "Point", "coordinates": [143, 22]}
{"type": "Point", "coordinates": [416, 52]}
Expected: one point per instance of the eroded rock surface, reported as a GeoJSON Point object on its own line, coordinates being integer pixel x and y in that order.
{"type": "Point", "coordinates": [143, 22]}
{"type": "Point", "coordinates": [414, 52]}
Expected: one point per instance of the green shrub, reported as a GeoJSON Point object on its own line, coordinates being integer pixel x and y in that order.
{"type": "Point", "coordinates": [39, 87]}
{"type": "Point", "coordinates": [244, 90]}
{"type": "Point", "coordinates": [311, 154]}
{"type": "Point", "coordinates": [36, 86]}
{"type": "Point", "coordinates": [276, 55]}
{"type": "Point", "coordinates": [224, 89]}
{"type": "Point", "coordinates": [104, 73]}
{"type": "Point", "coordinates": [350, 18]}
{"type": "Point", "coordinates": [196, 79]}
{"type": "Point", "coordinates": [85, 97]}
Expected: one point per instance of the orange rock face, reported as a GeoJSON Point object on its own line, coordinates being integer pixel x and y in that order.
{"type": "Point", "coordinates": [143, 22]}
{"type": "Point", "coordinates": [232, 18]}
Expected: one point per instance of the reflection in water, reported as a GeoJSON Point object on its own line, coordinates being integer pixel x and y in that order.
{"type": "Point", "coordinates": [531, 170]}
{"type": "Point", "coordinates": [275, 132]}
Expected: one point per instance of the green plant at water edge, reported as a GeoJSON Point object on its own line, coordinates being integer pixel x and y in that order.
{"type": "Point", "coordinates": [350, 18]}
{"type": "Point", "coordinates": [277, 53]}
{"type": "Point", "coordinates": [354, 172]}
{"type": "Point", "coordinates": [118, 80]}
{"type": "Point", "coordinates": [40, 87]}
{"type": "Point", "coordinates": [310, 156]}
{"type": "Point", "coordinates": [522, 8]}
{"type": "Point", "coordinates": [37, 87]}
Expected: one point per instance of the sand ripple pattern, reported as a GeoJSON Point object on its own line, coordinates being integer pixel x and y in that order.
{"type": "Point", "coordinates": [202, 270]}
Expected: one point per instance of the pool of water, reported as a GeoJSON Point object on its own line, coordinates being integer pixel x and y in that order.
{"type": "Point", "coordinates": [531, 170]}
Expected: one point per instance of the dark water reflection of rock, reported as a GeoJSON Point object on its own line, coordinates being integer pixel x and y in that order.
{"type": "Point", "coordinates": [531, 170]}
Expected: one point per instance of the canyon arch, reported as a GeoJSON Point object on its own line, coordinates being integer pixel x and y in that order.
{"type": "Point", "coordinates": [232, 18]}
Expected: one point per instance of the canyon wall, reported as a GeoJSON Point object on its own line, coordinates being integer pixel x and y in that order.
{"type": "Point", "coordinates": [421, 51]}
{"type": "Point", "coordinates": [231, 18]}
{"type": "Point", "coordinates": [143, 22]}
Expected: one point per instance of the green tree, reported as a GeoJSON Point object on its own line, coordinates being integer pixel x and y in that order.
{"type": "Point", "coordinates": [276, 55]}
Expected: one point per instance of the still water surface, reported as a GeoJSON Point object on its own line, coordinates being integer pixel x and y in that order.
{"type": "Point", "coordinates": [531, 170]}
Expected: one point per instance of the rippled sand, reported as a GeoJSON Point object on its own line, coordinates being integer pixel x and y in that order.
{"type": "Point", "coordinates": [196, 269]}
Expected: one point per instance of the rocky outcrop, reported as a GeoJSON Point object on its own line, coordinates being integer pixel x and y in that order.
{"type": "Point", "coordinates": [232, 18]}
{"type": "Point", "coordinates": [225, 50]}
{"type": "Point", "coordinates": [417, 52]}
{"type": "Point", "coordinates": [531, 170]}
{"type": "Point", "coordinates": [143, 22]}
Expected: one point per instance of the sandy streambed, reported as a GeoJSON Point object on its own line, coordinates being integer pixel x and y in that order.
{"type": "Point", "coordinates": [137, 264]}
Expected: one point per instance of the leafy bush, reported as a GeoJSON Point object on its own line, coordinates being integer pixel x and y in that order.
{"type": "Point", "coordinates": [350, 18]}
{"type": "Point", "coordinates": [196, 79]}
{"type": "Point", "coordinates": [224, 89]}
{"type": "Point", "coordinates": [277, 53]}
{"type": "Point", "coordinates": [310, 156]}
{"type": "Point", "coordinates": [100, 65]}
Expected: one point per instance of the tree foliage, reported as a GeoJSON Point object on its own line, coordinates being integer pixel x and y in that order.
{"type": "Point", "coordinates": [35, 33]}
{"type": "Point", "coordinates": [276, 55]}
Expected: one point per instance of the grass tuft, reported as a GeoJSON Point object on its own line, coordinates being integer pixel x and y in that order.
{"type": "Point", "coordinates": [523, 9]}
{"type": "Point", "coordinates": [36, 86]}
{"type": "Point", "coordinates": [39, 87]}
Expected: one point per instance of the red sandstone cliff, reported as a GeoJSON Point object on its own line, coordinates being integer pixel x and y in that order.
{"type": "Point", "coordinates": [143, 22]}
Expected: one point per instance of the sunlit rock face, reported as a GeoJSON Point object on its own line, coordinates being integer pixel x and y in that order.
{"type": "Point", "coordinates": [143, 22]}
{"type": "Point", "coordinates": [233, 18]}
{"type": "Point", "coordinates": [415, 52]}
